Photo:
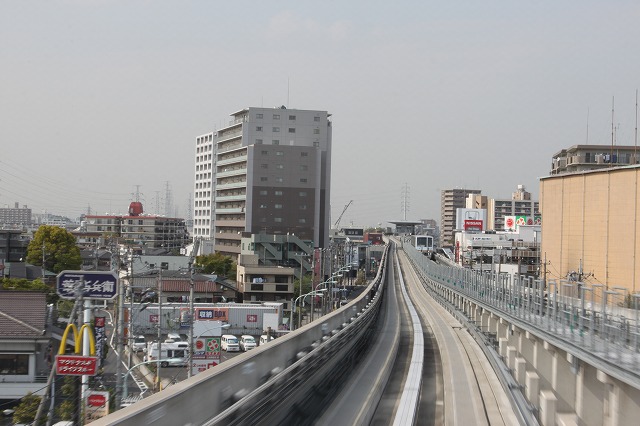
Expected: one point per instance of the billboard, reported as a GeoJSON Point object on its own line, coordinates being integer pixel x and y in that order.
{"type": "Point", "coordinates": [471, 219]}
{"type": "Point", "coordinates": [511, 223]}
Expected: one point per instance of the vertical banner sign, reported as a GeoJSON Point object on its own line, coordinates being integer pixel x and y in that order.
{"type": "Point", "coordinates": [99, 332]}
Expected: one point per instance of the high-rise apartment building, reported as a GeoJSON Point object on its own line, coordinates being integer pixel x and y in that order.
{"type": "Point", "coordinates": [450, 200]}
{"type": "Point", "coordinates": [267, 172]}
{"type": "Point", "coordinates": [520, 204]}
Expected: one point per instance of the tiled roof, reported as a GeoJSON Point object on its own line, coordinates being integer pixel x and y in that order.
{"type": "Point", "coordinates": [22, 313]}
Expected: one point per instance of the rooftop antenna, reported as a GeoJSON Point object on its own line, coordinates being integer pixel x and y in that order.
{"type": "Point", "coordinates": [587, 142]}
{"type": "Point", "coordinates": [635, 144]}
{"type": "Point", "coordinates": [612, 132]}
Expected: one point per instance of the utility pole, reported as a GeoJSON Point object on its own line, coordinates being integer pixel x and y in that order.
{"type": "Point", "coordinates": [119, 341]}
{"type": "Point", "coordinates": [158, 364]}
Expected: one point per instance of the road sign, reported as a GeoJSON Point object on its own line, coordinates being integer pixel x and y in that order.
{"type": "Point", "coordinates": [76, 365]}
{"type": "Point", "coordinates": [94, 284]}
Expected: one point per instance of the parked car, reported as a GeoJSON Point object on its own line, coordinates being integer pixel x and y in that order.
{"type": "Point", "coordinates": [175, 362]}
{"type": "Point", "coordinates": [139, 343]}
{"type": "Point", "coordinates": [247, 342]}
{"type": "Point", "coordinates": [175, 337]}
{"type": "Point", "coordinates": [230, 343]}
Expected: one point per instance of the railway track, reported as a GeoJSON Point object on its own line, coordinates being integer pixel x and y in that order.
{"type": "Point", "coordinates": [423, 367]}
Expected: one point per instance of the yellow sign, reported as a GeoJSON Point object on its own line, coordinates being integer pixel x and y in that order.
{"type": "Point", "coordinates": [77, 338]}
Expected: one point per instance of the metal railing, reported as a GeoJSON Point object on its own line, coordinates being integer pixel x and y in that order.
{"type": "Point", "coordinates": [591, 321]}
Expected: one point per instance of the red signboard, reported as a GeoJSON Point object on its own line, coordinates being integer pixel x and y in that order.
{"type": "Point", "coordinates": [96, 400]}
{"type": "Point", "coordinates": [252, 318]}
{"type": "Point", "coordinates": [473, 224]}
{"type": "Point", "coordinates": [76, 365]}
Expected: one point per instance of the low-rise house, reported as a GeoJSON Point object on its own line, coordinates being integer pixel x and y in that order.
{"type": "Point", "coordinates": [25, 354]}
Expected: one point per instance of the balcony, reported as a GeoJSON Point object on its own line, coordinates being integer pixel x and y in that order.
{"type": "Point", "coordinates": [240, 197]}
{"type": "Point", "coordinates": [228, 173]}
{"type": "Point", "coordinates": [232, 160]}
{"type": "Point", "coordinates": [231, 185]}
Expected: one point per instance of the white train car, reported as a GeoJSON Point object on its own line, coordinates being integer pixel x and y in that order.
{"type": "Point", "coordinates": [423, 243]}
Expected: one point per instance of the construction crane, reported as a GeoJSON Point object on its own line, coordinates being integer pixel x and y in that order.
{"type": "Point", "coordinates": [337, 224]}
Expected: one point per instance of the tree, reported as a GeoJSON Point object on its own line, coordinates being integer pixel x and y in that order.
{"type": "Point", "coordinates": [22, 284]}
{"type": "Point", "coordinates": [216, 263]}
{"type": "Point", "coordinates": [27, 409]}
{"type": "Point", "coordinates": [60, 250]}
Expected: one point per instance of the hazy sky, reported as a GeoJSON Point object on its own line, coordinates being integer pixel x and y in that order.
{"type": "Point", "coordinates": [98, 96]}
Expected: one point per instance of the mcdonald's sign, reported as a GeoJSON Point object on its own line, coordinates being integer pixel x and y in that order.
{"type": "Point", "coordinates": [77, 364]}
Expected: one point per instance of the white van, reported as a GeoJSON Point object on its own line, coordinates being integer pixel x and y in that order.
{"type": "Point", "coordinates": [264, 339]}
{"type": "Point", "coordinates": [172, 353]}
{"type": "Point", "coordinates": [247, 342]}
{"type": "Point", "coordinates": [230, 343]}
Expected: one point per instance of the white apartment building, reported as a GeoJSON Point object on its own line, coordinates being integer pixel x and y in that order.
{"type": "Point", "coordinates": [267, 172]}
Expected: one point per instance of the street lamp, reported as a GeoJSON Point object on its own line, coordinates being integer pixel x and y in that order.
{"type": "Point", "coordinates": [313, 292]}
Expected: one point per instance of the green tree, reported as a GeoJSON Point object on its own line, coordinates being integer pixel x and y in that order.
{"type": "Point", "coordinates": [216, 263]}
{"type": "Point", "coordinates": [60, 250]}
{"type": "Point", "coordinates": [22, 284]}
{"type": "Point", "coordinates": [27, 409]}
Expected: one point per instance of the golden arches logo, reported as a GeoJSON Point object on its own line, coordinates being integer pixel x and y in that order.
{"type": "Point", "coordinates": [77, 338]}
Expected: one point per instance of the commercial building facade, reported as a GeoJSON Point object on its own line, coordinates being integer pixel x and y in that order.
{"type": "Point", "coordinates": [579, 158]}
{"type": "Point", "coordinates": [267, 172]}
{"type": "Point", "coordinates": [450, 200]}
{"type": "Point", "coordinates": [590, 230]}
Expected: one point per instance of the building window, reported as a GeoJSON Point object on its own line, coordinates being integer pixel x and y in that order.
{"type": "Point", "coordinates": [258, 115]}
{"type": "Point", "coordinates": [258, 128]}
{"type": "Point", "coordinates": [265, 152]}
{"type": "Point", "coordinates": [276, 129]}
{"type": "Point", "coordinates": [278, 206]}
{"type": "Point", "coordinates": [14, 364]}
{"type": "Point", "coordinates": [316, 144]}
{"type": "Point", "coordinates": [258, 141]}
{"type": "Point", "coordinates": [276, 142]}
{"type": "Point", "coordinates": [264, 166]}
{"type": "Point", "coordinates": [277, 219]}
{"type": "Point", "coordinates": [316, 131]}
{"type": "Point", "coordinates": [304, 167]}
{"type": "Point", "coordinates": [263, 206]}
{"type": "Point", "coordinates": [316, 118]}
{"type": "Point", "coordinates": [292, 117]}
{"type": "Point", "coordinates": [280, 166]}
{"type": "Point", "coordinates": [264, 179]}
{"type": "Point", "coordinates": [302, 193]}
{"type": "Point", "coordinates": [276, 116]}
{"type": "Point", "coordinates": [292, 130]}
{"type": "Point", "coordinates": [280, 180]}
{"type": "Point", "coordinates": [263, 192]}
{"type": "Point", "coordinates": [303, 180]}
{"type": "Point", "coordinates": [304, 154]}
{"type": "Point", "coordinates": [303, 206]}
{"type": "Point", "coordinates": [278, 193]}
{"type": "Point", "coordinates": [279, 153]}
{"type": "Point", "coordinates": [280, 287]}
{"type": "Point", "coordinates": [302, 220]}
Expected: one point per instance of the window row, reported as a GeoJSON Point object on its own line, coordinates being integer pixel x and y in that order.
{"type": "Point", "coordinates": [281, 153]}
{"type": "Point", "coordinates": [280, 179]}
{"type": "Point", "coordinates": [303, 167]}
{"type": "Point", "coordinates": [279, 193]}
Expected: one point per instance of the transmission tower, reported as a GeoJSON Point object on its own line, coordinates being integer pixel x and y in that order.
{"type": "Point", "coordinates": [167, 200]}
{"type": "Point", "coordinates": [404, 208]}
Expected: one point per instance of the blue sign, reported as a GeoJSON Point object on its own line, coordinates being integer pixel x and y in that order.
{"type": "Point", "coordinates": [92, 285]}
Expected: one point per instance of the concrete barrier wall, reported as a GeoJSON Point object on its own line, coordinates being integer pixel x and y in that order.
{"type": "Point", "coordinates": [202, 397]}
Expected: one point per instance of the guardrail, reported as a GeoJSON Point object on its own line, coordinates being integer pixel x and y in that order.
{"type": "Point", "coordinates": [287, 378]}
{"type": "Point", "coordinates": [589, 320]}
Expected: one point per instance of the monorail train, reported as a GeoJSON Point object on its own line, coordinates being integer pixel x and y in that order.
{"type": "Point", "coordinates": [423, 243]}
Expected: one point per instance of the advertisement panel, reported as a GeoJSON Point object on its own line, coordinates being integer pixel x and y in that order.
{"type": "Point", "coordinates": [473, 216]}
{"type": "Point", "coordinates": [96, 405]}
{"type": "Point", "coordinates": [100, 338]}
{"type": "Point", "coordinates": [200, 365]}
{"type": "Point", "coordinates": [218, 314]}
